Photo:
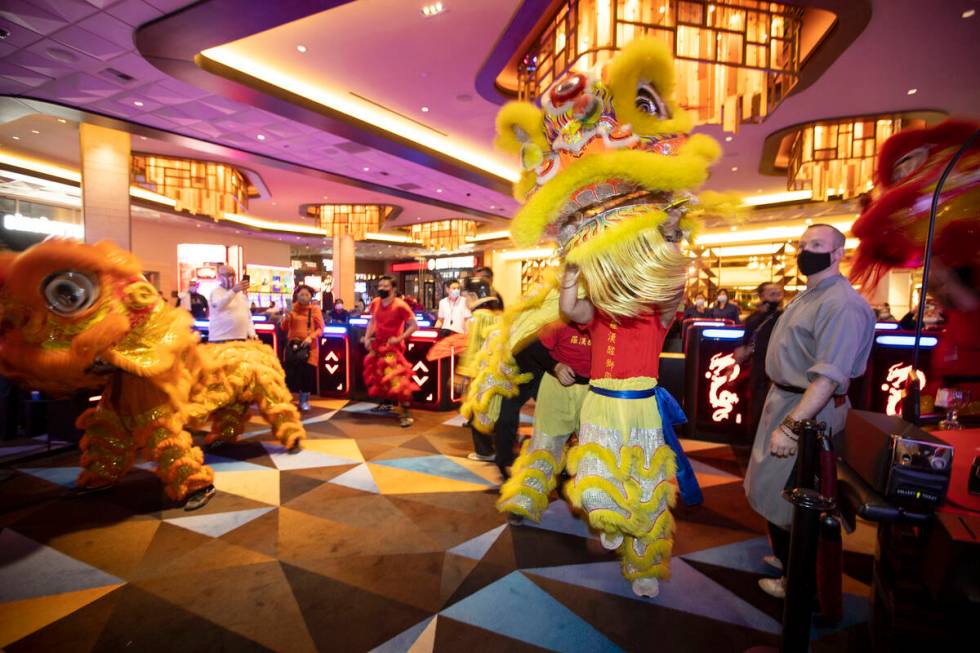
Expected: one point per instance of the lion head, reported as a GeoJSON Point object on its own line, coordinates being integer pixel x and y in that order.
{"type": "Point", "coordinates": [894, 223]}
{"type": "Point", "coordinates": [69, 310]}
{"type": "Point", "coordinates": [608, 167]}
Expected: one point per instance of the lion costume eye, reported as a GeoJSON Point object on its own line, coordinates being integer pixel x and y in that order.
{"type": "Point", "coordinates": [648, 101]}
{"type": "Point", "coordinates": [909, 163]}
{"type": "Point", "coordinates": [68, 292]}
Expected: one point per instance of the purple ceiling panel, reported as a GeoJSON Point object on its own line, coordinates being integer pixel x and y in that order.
{"type": "Point", "coordinates": [289, 130]}
{"type": "Point", "coordinates": [160, 92]}
{"type": "Point", "coordinates": [6, 49]}
{"type": "Point", "coordinates": [201, 111]}
{"type": "Point", "coordinates": [110, 28]}
{"type": "Point", "coordinates": [80, 88]}
{"type": "Point", "coordinates": [89, 43]}
{"type": "Point", "coordinates": [19, 36]}
{"type": "Point", "coordinates": [209, 130]}
{"type": "Point", "coordinates": [70, 10]}
{"type": "Point", "coordinates": [178, 115]}
{"type": "Point", "coordinates": [31, 59]}
{"type": "Point", "coordinates": [102, 4]}
{"type": "Point", "coordinates": [167, 6]}
{"type": "Point", "coordinates": [21, 76]}
{"type": "Point", "coordinates": [226, 107]}
{"type": "Point", "coordinates": [134, 12]}
{"type": "Point", "coordinates": [32, 17]}
{"type": "Point", "coordinates": [136, 67]}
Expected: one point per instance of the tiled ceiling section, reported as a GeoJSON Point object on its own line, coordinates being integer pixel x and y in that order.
{"type": "Point", "coordinates": [80, 53]}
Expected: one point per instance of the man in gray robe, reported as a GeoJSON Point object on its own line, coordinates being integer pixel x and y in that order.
{"type": "Point", "coordinates": [819, 344]}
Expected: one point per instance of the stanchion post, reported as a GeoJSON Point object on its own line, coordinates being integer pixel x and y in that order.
{"type": "Point", "coordinates": [801, 575]}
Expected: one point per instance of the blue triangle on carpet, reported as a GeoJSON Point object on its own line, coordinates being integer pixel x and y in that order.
{"type": "Point", "coordinates": [516, 607]}
{"type": "Point", "coordinates": [64, 476]}
{"type": "Point", "coordinates": [219, 523]}
{"type": "Point", "coordinates": [687, 591]}
{"type": "Point", "coordinates": [560, 518]}
{"type": "Point", "coordinates": [435, 466]}
{"type": "Point", "coordinates": [742, 556]}
{"type": "Point", "coordinates": [358, 478]}
{"type": "Point", "coordinates": [403, 641]}
{"type": "Point", "coordinates": [29, 569]}
{"type": "Point", "coordinates": [476, 548]}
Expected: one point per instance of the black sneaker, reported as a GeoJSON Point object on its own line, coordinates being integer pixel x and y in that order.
{"type": "Point", "coordinates": [514, 520]}
{"type": "Point", "coordinates": [295, 449]}
{"type": "Point", "coordinates": [200, 498]}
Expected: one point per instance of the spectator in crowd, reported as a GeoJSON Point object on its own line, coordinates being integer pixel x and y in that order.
{"type": "Point", "coordinates": [453, 313]}
{"type": "Point", "coordinates": [698, 308]}
{"type": "Point", "coordinates": [338, 313]}
{"type": "Point", "coordinates": [193, 301]}
{"type": "Point", "coordinates": [230, 317]}
{"type": "Point", "coordinates": [723, 309]}
{"type": "Point", "coordinates": [818, 345]}
{"type": "Point", "coordinates": [302, 325]}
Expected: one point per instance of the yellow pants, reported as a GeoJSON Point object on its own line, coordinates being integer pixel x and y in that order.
{"type": "Point", "coordinates": [535, 473]}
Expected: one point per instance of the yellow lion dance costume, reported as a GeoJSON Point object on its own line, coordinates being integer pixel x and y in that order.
{"type": "Point", "coordinates": [608, 170]}
{"type": "Point", "coordinates": [76, 316]}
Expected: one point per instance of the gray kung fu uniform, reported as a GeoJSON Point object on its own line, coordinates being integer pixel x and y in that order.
{"type": "Point", "coordinates": [825, 331]}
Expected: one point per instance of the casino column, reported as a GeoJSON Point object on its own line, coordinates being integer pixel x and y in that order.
{"type": "Point", "coordinates": [105, 184]}
{"type": "Point", "coordinates": [343, 268]}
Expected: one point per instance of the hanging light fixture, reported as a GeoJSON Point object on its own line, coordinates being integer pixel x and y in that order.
{"type": "Point", "coordinates": [356, 220]}
{"type": "Point", "coordinates": [736, 59]}
{"type": "Point", "coordinates": [446, 235]}
{"type": "Point", "coordinates": [837, 157]}
{"type": "Point", "coordinates": [199, 187]}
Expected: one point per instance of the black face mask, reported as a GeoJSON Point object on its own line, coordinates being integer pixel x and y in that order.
{"type": "Point", "coordinates": [770, 306]}
{"type": "Point", "coordinates": [811, 263]}
{"type": "Point", "coordinates": [383, 294]}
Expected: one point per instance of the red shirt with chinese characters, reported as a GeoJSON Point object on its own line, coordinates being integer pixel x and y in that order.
{"type": "Point", "coordinates": [628, 349]}
{"type": "Point", "coordinates": [569, 344]}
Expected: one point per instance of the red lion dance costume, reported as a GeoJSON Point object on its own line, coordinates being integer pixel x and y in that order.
{"type": "Point", "coordinates": [894, 226]}
{"type": "Point", "coordinates": [387, 373]}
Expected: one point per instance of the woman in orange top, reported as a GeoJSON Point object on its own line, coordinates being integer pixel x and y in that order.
{"type": "Point", "coordinates": [302, 325]}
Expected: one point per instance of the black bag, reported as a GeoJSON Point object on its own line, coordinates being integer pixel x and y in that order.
{"type": "Point", "coordinates": [297, 351]}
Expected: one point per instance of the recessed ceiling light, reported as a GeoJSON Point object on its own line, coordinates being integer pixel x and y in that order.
{"type": "Point", "coordinates": [969, 13]}
{"type": "Point", "coordinates": [142, 138]}
{"type": "Point", "coordinates": [734, 168]}
{"type": "Point", "coordinates": [261, 137]}
{"type": "Point", "coordinates": [367, 169]}
{"type": "Point", "coordinates": [324, 197]}
{"type": "Point", "coordinates": [275, 204]}
{"type": "Point", "coordinates": [425, 109]}
{"type": "Point", "coordinates": [728, 139]}
{"type": "Point", "coordinates": [34, 131]}
{"type": "Point", "coordinates": [492, 206]}
{"type": "Point", "coordinates": [912, 91]}
{"type": "Point", "coordinates": [16, 138]}
{"type": "Point", "coordinates": [734, 228]}
{"type": "Point", "coordinates": [438, 190]}
{"type": "Point", "coordinates": [62, 120]}
{"type": "Point", "coordinates": [301, 48]}
{"type": "Point", "coordinates": [434, 9]}
{"type": "Point", "coordinates": [137, 103]}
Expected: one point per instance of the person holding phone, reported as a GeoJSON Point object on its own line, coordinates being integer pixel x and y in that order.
{"type": "Point", "coordinates": [231, 318]}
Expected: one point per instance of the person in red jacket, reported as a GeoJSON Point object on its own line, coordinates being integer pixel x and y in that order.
{"type": "Point", "coordinates": [302, 326]}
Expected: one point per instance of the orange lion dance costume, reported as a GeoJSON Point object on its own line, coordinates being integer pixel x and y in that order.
{"type": "Point", "coordinates": [76, 316]}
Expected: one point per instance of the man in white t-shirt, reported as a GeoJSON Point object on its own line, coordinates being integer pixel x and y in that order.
{"type": "Point", "coordinates": [453, 313]}
{"type": "Point", "coordinates": [231, 318]}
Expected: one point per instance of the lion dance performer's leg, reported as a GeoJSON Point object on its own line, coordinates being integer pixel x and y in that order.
{"type": "Point", "coordinates": [108, 449]}
{"type": "Point", "coordinates": [228, 423]}
{"type": "Point", "coordinates": [542, 459]}
{"type": "Point", "coordinates": [276, 407]}
{"type": "Point", "coordinates": [622, 470]}
{"type": "Point", "coordinates": [180, 465]}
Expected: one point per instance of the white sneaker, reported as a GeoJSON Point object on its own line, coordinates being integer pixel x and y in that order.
{"type": "Point", "coordinates": [648, 587]}
{"type": "Point", "coordinates": [611, 542]}
{"type": "Point", "coordinates": [483, 459]}
{"type": "Point", "coordinates": [774, 586]}
{"type": "Point", "coordinates": [773, 562]}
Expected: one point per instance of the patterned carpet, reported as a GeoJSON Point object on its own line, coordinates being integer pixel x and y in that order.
{"type": "Point", "coordinates": [374, 538]}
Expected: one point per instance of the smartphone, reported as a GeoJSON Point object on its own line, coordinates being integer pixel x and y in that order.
{"type": "Point", "coordinates": [246, 278]}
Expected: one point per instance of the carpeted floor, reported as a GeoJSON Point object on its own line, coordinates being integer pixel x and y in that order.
{"type": "Point", "coordinates": [374, 538]}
